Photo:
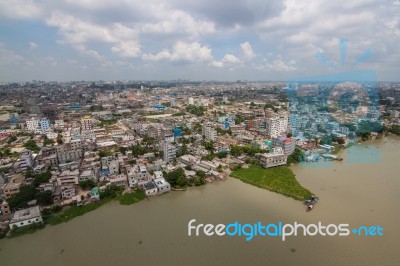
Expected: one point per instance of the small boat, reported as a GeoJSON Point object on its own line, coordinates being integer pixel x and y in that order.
{"type": "Point", "coordinates": [311, 202]}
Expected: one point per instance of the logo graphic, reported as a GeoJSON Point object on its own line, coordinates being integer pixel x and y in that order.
{"type": "Point", "coordinates": [281, 230]}
{"type": "Point", "coordinates": [336, 108]}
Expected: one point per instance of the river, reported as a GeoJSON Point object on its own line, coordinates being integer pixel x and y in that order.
{"type": "Point", "coordinates": [154, 231]}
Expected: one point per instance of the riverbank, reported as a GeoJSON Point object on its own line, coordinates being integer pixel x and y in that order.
{"type": "Point", "coordinates": [279, 179]}
{"type": "Point", "coordinates": [53, 217]}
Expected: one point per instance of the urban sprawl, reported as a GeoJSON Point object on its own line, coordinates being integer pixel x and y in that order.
{"type": "Point", "coordinates": [65, 146]}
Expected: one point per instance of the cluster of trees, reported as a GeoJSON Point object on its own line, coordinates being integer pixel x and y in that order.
{"type": "Point", "coordinates": [395, 129]}
{"type": "Point", "coordinates": [30, 192]}
{"type": "Point", "coordinates": [176, 178]}
{"type": "Point", "coordinates": [105, 153]}
{"type": "Point", "coordinates": [196, 110]}
{"type": "Point", "coordinates": [31, 145]}
{"type": "Point", "coordinates": [96, 108]}
{"type": "Point", "coordinates": [47, 141]}
{"type": "Point", "coordinates": [223, 131]}
{"type": "Point", "coordinates": [6, 152]}
{"type": "Point", "coordinates": [296, 157]}
{"type": "Point", "coordinates": [108, 122]}
{"type": "Point", "coordinates": [11, 139]}
{"type": "Point", "coordinates": [87, 184]}
{"type": "Point", "coordinates": [236, 150]}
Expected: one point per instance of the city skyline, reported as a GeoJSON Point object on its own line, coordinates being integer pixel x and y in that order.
{"type": "Point", "coordinates": [224, 41]}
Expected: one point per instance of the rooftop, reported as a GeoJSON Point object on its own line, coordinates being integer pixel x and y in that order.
{"type": "Point", "coordinates": [25, 214]}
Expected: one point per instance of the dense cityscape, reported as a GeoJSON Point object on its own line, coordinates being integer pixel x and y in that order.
{"type": "Point", "coordinates": [68, 148]}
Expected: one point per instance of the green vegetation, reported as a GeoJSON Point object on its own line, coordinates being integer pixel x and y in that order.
{"type": "Point", "coordinates": [6, 152]}
{"type": "Point", "coordinates": [196, 110]}
{"type": "Point", "coordinates": [31, 145]}
{"type": "Point", "coordinates": [296, 157]}
{"type": "Point", "coordinates": [59, 139]}
{"type": "Point", "coordinates": [236, 150]}
{"type": "Point", "coordinates": [108, 122]}
{"type": "Point", "coordinates": [40, 178]}
{"type": "Point", "coordinates": [176, 178]}
{"type": "Point", "coordinates": [96, 108]}
{"type": "Point", "coordinates": [11, 139]}
{"type": "Point", "coordinates": [395, 129]}
{"type": "Point", "coordinates": [72, 212]}
{"type": "Point", "coordinates": [105, 153]}
{"type": "Point", "coordinates": [29, 229]}
{"type": "Point", "coordinates": [132, 197]}
{"type": "Point", "coordinates": [178, 114]}
{"type": "Point", "coordinates": [47, 141]}
{"type": "Point", "coordinates": [277, 179]}
{"type": "Point", "coordinates": [86, 184]}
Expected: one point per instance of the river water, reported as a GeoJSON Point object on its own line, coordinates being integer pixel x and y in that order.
{"type": "Point", "coordinates": [154, 231]}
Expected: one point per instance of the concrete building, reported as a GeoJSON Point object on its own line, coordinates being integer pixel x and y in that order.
{"type": "Point", "coordinates": [169, 151]}
{"type": "Point", "coordinates": [274, 158]}
{"type": "Point", "coordinates": [162, 185]}
{"type": "Point", "coordinates": [44, 124]}
{"type": "Point", "coordinates": [26, 217]}
{"type": "Point", "coordinates": [24, 161]}
{"type": "Point", "coordinates": [287, 144]}
{"type": "Point", "coordinates": [277, 124]}
{"type": "Point", "coordinates": [86, 123]}
{"type": "Point", "coordinates": [209, 132]}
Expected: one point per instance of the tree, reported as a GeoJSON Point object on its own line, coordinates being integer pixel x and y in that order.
{"type": "Point", "coordinates": [44, 198]}
{"type": "Point", "coordinates": [47, 141]}
{"type": "Point", "coordinates": [86, 184]}
{"type": "Point", "coordinates": [31, 145]}
{"type": "Point", "coordinates": [295, 157]}
{"type": "Point", "coordinates": [235, 150]}
{"type": "Point", "coordinates": [201, 173]}
{"type": "Point", "coordinates": [175, 175]}
{"type": "Point", "coordinates": [105, 153]}
{"type": "Point", "coordinates": [11, 139]}
{"type": "Point", "coordinates": [59, 139]}
{"type": "Point", "coordinates": [21, 199]}
{"type": "Point", "coordinates": [41, 178]}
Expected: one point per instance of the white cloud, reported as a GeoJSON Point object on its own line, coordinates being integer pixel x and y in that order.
{"type": "Point", "coordinates": [19, 9]}
{"type": "Point", "coordinates": [247, 51]}
{"type": "Point", "coordinates": [130, 49]}
{"type": "Point", "coordinates": [278, 65]}
{"type": "Point", "coordinates": [33, 45]}
{"type": "Point", "coordinates": [182, 51]}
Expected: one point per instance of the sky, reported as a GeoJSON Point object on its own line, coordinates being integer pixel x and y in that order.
{"type": "Point", "coordinates": [224, 40]}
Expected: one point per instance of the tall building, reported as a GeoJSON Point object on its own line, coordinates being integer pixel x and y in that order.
{"type": "Point", "coordinates": [38, 126]}
{"type": "Point", "coordinates": [277, 124]}
{"type": "Point", "coordinates": [169, 151]}
{"type": "Point", "coordinates": [86, 123]}
{"type": "Point", "coordinates": [44, 124]}
{"type": "Point", "coordinates": [209, 132]}
{"type": "Point", "coordinates": [190, 101]}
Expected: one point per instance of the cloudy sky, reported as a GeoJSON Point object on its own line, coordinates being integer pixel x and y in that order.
{"type": "Point", "coordinates": [197, 40]}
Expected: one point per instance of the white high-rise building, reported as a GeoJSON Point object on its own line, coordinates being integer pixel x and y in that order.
{"type": "Point", "coordinates": [190, 100]}
{"type": "Point", "coordinates": [169, 151]}
{"type": "Point", "coordinates": [277, 124]}
{"type": "Point", "coordinates": [209, 132]}
{"type": "Point", "coordinates": [32, 124]}
{"type": "Point", "coordinates": [38, 126]}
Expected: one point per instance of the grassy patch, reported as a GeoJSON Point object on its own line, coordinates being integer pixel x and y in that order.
{"type": "Point", "coordinates": [277, 179]}
{"type": "Point", "coordinates": [74, 211]}
{"type": "Point", "coordinates": [131, 198]}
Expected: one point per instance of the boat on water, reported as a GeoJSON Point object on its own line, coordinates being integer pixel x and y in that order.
{"type": "Point", "coordinates": [310, 203]}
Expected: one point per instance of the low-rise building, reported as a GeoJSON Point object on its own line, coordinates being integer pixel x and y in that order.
{"type": "Point", "coordinates": [274, 158]}
{"type": "Point", "coordinates": [26, 217]}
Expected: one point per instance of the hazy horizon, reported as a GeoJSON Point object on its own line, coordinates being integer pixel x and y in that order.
{"type": "Point", "coordinates": [219, 40]}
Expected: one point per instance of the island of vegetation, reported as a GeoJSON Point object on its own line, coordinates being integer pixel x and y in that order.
{"type": "Point", "coordinates": [278, 179]}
